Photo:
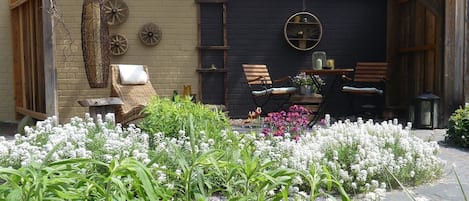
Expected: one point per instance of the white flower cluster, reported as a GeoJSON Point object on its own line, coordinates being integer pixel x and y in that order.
{"type": "Point", "coordinates": [357, 153]}
{"type": "Point", "coordinates": [81, 138]}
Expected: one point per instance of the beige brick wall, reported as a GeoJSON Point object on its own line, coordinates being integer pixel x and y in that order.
{"type": "Point", "coordinates": [7, 103]}
{"type": "Point", "coordinates": [172, 62]}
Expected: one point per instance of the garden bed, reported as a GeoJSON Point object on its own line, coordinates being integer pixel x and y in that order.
{"type": "Point", "coordinates": [99, 160]}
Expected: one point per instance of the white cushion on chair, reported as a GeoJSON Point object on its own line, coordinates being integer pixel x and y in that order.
{"type": "Point", "coordinates": [132, 74]}
{"type": "Point", "coordinates": [277, 90]}
{"type": "Point", "coordinates": [262, 92]}
{"type": "Point", "coordinates": [284, 90]}
{"type": "Point", "coordinates": [362, 89]}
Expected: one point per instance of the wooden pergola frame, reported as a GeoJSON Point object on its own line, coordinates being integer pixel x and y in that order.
{"type": "Point", "coordinates": [33, 58]}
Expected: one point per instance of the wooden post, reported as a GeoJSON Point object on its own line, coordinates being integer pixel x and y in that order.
{"type": "Point", "coordinates": [453, 89]}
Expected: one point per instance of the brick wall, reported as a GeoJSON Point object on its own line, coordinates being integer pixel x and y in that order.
{"type": "Point", "coordinates": [7, 103]}
{"type": "Point", "coordinates": [172, 63]}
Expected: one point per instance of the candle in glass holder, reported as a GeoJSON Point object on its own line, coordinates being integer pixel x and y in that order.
{"type": "Point", "coordinates": [318, 64]}
{"type": "Point", "coordinates": [187, 90]}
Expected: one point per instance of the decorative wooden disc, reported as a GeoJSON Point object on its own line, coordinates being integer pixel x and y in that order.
{"type": "Point", "coordinates": [118, 44]}
{"type": "Point", "coordinates": [116, 11]}
{"type": "Point", "coordinates": [150, 34]}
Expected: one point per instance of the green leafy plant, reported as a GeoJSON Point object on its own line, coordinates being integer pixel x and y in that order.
{"type": "Point", "coordinates": [319, 179]}
{"type": "Point", "coordinates": [170, 117]}
{"type": "Point", "coordinates": [79, 179]}
{"type": "Point", "coordinates": [458, 128]}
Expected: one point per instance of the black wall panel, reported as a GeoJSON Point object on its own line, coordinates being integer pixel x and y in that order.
{"type": "Point", "coordinates": [352, 31]}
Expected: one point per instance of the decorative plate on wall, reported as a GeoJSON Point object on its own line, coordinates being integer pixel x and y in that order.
{"type": "Point", "coordinates": [150, 34]}
{"type": "Point", "coordinates": [116, 11]}
{"type": "Point", "coordinates": [118, 44]}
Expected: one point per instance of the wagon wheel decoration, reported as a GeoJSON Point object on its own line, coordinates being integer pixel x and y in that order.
{"type": "Point", "coordinates": [150, 34]}
{"type": "Point", "coordinates": [116, 11]}
{"type": "Point", "coordinates": [118, 44]}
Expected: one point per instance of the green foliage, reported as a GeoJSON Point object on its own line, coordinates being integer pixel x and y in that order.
{"type": "Point", "coordinates": [77, 179]}
{"type": "Point", "coordinates": [458, 128]}
{"type": "Point", "coordinates": [319, 178]}
{"type": "Point", "coordinates": [170, 117]}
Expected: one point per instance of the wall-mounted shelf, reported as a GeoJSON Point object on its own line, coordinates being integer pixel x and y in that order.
{"type": "Point", "coordinates": [210, 1]}
{"type": "Point", "coordinates": [213, 47]}
{"type": "Point", "coordinates": [209, 70]}
{"type": "Point", "coordinates": [303, 31]}
{"type": "Point", "coordinates": [213, 51]}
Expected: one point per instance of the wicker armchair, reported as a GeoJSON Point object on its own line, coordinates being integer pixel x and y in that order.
{"type": "Point", "coordinates": [134, 96]}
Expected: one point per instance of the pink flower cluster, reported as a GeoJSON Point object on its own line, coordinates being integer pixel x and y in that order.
{"type": "Point", "coordinates": [293, 122]}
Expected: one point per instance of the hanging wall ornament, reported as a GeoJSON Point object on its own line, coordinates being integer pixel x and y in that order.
{"type": "Point", "coordinates": [116, 11]}
{"type": "Point", "coordinates": [95, 43]}
{"type": "Point", "coordinates": [150, 34]}
{"type": "Point", "coordinates": [118, 44]}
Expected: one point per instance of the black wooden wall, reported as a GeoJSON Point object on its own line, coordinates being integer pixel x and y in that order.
{"type": "Point", "coordinates": [353, 31]}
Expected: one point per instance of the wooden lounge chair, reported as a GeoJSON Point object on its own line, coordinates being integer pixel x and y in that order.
{"type": "Point", "coordinates": [135, 93]}
{"type": "Point", "coordinates": [369, 80]}
{"type": "Point", "coordinates": [263, 88]}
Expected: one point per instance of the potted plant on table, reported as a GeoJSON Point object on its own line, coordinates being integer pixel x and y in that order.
{"type": "Point", "coordinates": [307, 84]}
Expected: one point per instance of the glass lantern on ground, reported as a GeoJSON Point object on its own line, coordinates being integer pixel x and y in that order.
{"type": "Point", "coordinates": [426, 111]}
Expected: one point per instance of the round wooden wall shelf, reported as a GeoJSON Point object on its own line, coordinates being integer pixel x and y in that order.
{"type": "Point", "coordinates": [303, 31]}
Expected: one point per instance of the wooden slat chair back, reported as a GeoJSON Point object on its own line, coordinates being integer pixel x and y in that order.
{"type": "Point", "coordinates": [134, 97]}
{"type": "Point", "coordinates": [257, 74]}
{"type": "Point", "coordinates": [370, 72]}
{"type": "Point", "coordinates": [369, 80]}
{"type": "Point", "coordinates": [262, 87]}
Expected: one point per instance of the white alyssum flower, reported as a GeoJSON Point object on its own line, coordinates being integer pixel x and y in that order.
{"type": "Point", "coordinates": [369, 148]}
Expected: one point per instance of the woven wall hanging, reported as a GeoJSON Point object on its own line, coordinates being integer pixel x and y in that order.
{"type": "Point", "coordinates": [95, 43]}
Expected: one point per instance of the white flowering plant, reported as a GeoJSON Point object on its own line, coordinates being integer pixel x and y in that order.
{"type": "Point", "coordinates": [345, 158]}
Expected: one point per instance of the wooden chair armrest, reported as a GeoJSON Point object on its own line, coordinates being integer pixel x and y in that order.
{"type": "Point", "coordinates": [346, 78]}
{"type": "Point", "coordinates": [256, 79]}
{"type": "Point", "coordinates": [283, 79]}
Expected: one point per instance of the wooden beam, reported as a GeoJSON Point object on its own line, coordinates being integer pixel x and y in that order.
{"type": "Point", "coordinates": [453, 96]}
{"type": "Point", "coordinates": [36, 115]}
{"type": "Point", "coordinates": [49, 61]}
{"type": "Point", "coordinates": [16, 4]}
{"type": "Point", "coordinates": [433, 6]}
{"type": "Point", "coordinates": [430, 61]}
{"type": "Point", "coordinates": [417, 49]}
{"type": "Point", "coordinates": [466, 57]}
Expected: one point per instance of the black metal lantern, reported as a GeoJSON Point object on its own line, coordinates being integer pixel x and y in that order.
{"type": "Point", "coordinates": [426, 111]}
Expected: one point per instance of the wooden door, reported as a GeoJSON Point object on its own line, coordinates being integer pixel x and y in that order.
{"type": "Point", "coordinates": [28, 58]}
{"type": "Point", "coordinates": [415, 50]}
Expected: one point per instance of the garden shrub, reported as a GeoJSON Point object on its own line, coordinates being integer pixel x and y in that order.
{"type": "Point", "coordinates": [458, 127]}
{"type": "Point", "coordinates": [171, 116]}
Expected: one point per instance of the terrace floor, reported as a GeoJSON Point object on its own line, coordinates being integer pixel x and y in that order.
{"type": "Point", "coordinates": [446, 189]}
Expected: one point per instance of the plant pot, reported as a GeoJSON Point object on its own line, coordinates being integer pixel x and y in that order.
{"type": "Point", "coordinates": [306, 90]}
